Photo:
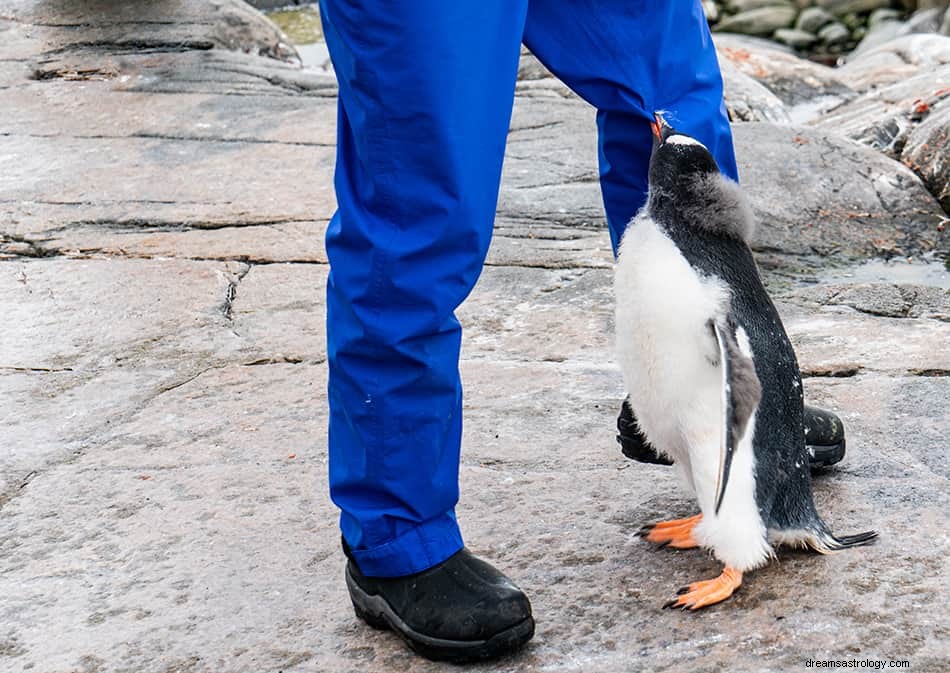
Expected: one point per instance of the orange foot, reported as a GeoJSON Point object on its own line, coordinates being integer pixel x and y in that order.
{"type": "Point", "coordinates": [677, 533]}
{"type": "Point", "coordinates": [708, 592]}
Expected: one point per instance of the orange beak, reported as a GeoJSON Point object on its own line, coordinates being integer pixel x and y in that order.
{"type": "Point", "coordinates": [657, 127]}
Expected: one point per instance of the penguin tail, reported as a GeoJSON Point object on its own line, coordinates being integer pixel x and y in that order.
{"type": "Point", "coordinates": [826, 542]}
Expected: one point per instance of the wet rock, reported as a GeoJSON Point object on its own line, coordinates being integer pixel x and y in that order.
{"type": "Point", "coordinates": [842, 7]}
{"type": "Point", "coordinates": [762, 21]}
{"type": "Point", "coordinates": [818, 193]}
{"type": "Point", "coordinates": [926, 152]}
{"type": "Point", "coordinates": [834, 33]}
{"type": "Point", "coordinates": [747, 100]}
{"type": "Point", "coordinates": [797, 39]}
{"type": "Point", "coordinates": [812, 19]}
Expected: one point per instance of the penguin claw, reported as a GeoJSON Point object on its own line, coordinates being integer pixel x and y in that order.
{"type": "Point", "coordinates": [677, 534]}
{"type": "Point", "coordinates": [707, 592]}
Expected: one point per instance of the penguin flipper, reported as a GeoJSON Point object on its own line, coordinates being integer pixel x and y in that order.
{"type": "Point", "coordinates": [741, 392]}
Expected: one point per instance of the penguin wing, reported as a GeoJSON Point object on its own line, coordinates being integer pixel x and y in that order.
{"type": "Point", "coordinates": [741, 392]}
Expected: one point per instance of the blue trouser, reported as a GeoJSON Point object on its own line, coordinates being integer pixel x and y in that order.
{"type": "Point", "coordinates": [426, 89]}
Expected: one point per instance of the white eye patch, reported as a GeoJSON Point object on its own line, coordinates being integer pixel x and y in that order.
{"type": "Point", "coordinates": [682, 140]}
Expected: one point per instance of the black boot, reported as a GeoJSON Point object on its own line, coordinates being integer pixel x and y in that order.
{"type": "Point", "coordinates": [824, 438]}
{"type": "Point", "coordinates": [460, 610]}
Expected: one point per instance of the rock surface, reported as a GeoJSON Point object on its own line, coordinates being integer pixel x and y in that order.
{"type": "Point", "coordinates": [163, 502]}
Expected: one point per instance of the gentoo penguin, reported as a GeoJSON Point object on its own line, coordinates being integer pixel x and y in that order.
{"type": "Point", "coordinates": [713, 379]}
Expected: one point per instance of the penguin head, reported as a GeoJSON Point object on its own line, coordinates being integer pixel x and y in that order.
{"type": "Point", "coordinates": [678, 159]}
{"type": "Point", "coordinates": [687, 189]}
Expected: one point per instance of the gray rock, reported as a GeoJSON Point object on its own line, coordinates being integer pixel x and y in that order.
{"type": "Point", "coordinates": [763, 21]}
{"type": "Point", "coordinates": [878, 34]}
{"type": "Point", "coordinates": [738, 6]}
{"type": "Point", "coordinates": [163, 493]}
{"type": "Point", "coordinates": [926, 151]}
{"type": "Point", "coordinates": [812, 19]}
{"type": "Point", "coordinates": [749, 101]}
{"type": "Point", "coordinates": [883, 117]}
{"type": "Point", "coordinates": [882, 15]}
{"type": "Point", "coordinates": [842, 7]}
{"type": "Point", "coordinates": [896, 59]}
{"type": "Point", "coordinates": [834, 33]}
{"type": "Point", "coordinates": [816, 192]}
{"type": "Point", "coordinates": [711, 10]}
{"type": "Point", "coordinates": [926, 20]}
{"type": "Point", "coordinates": [805, 87]}
{"type": "Point", "coordinates": [798, 39]}
{"type": "Point", "coordinates": [945, 25]}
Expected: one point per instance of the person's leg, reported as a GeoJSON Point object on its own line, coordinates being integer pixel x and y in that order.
{"type": "Point", "coordinates": [629, 58]}
{"type": "Point", "coordinates": [425, 101]}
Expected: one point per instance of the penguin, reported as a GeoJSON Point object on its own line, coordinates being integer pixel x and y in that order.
{"type": "Point", "coordinates": [714, 382]}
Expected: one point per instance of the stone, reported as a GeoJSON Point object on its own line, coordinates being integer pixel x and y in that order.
{"type": "Point", "coordinates": [882, 118]}
{"type": "Point", "coordinates": [926, 20]}
{"type": "Point", "coordinates": [897, 59]}
{"type": "Point", "coordinates": [163, 477]}
{"type": "Point", "coordinates": [749, 101]}
{"type": "Point", "coordinates": [737, 6]}
{"type": "Point", "coordinates": [878, 34]}
{"type": "Point", "coordinates": [883, 15]}
{"type": "Point", "coordinates": [842, 7]}
{"type": "Point", "coordinates": [798, 39]}
{"type": "Point", "coordinates": [711, 10]}
{"type": "Point", "coordinates": [834, 33]}
{"type": "Point", "coordinates": [762, 21]}
{"type": "Point", "coordinates": [814, 192]}
{"type": "Point", "coordinates": [806, 88]}
{"type": "Point", "coordinates": [926, 151]}
{"type": "Point", "coordinates": [812, 19]}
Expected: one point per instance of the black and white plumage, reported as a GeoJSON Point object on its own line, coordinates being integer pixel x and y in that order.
{"type": "Point", "coordinates": [712, 377]}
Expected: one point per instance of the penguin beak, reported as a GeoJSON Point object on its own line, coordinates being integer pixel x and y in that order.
{"type": "Point", "coordinates": [661, 130]}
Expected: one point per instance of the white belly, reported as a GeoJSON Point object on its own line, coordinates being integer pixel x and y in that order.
{"type": "Point", "coordinates": [664, 346]}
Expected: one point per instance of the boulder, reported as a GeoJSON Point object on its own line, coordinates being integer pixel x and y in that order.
{"type": "Point", "coordinates": [842, 7]}
{"type": "Point", "coordinates": [749, 101]}
{"type": "Point", "coordinates": [812, 19]}
{"type": "Point", "coordinates": [883, 118]}
{"type": "Point", "coordinates": [895, 60]}
{"type": "Point", "coordinates": [834, 33]}
{"type": "Point", "coordinates": [797, 82]}
{"type": "Point", "coordinates": [797, 39]}
{"type": "Point", "coordinates": [815, 192]}
{"type": "Point", "coordinates": [762, 21]}
{"type": "Point", "coordinates": [883, 15]}
{"type": "Point", "coordinates": [927, 152]}
{"type": "Point", "coordinates": [738, 6]}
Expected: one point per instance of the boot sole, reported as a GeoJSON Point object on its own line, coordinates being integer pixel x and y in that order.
{"type": "Point", "coordinates": [825, 455]}
{"type": "Point", "coordinates": [375, 611]}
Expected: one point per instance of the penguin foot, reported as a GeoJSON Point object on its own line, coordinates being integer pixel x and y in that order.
{"type": "Point", "coordinates": [708, 592]}
{"type": "Point", "coordinates": [677, 533]}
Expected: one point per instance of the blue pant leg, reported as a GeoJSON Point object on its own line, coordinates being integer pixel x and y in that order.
{"type": "Point", "coordinates": [426, 89]}
{"type": "Point", "coordinates": [629, 58]}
